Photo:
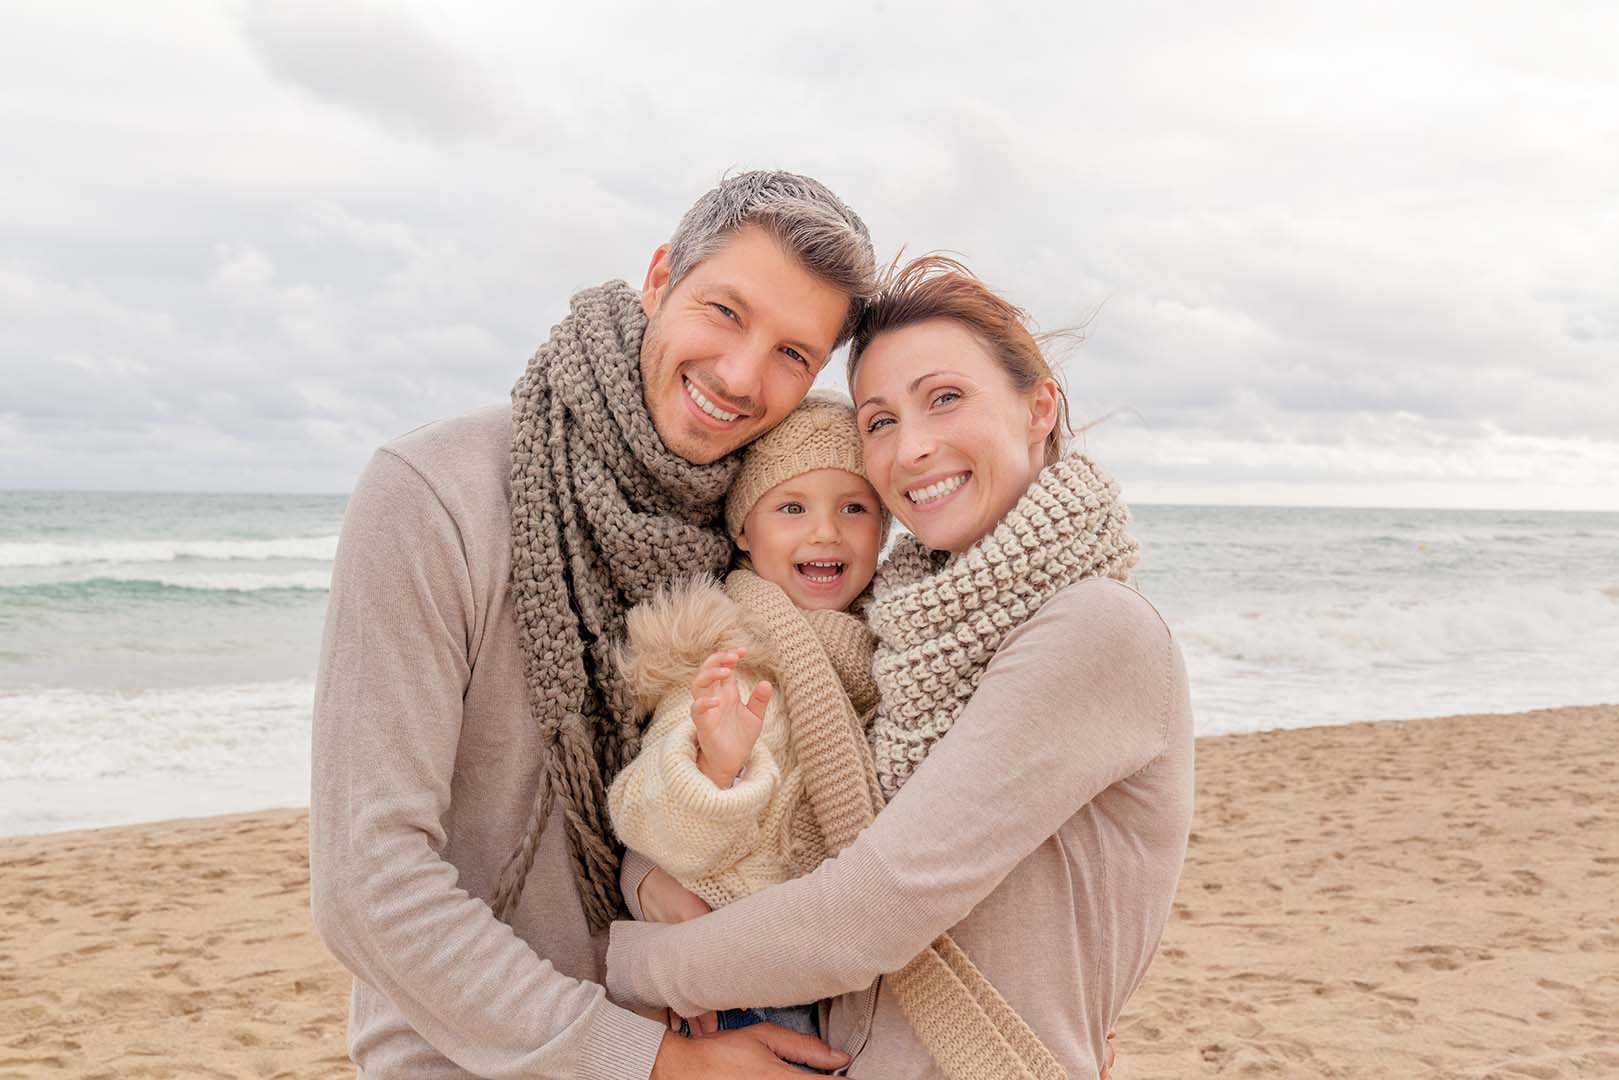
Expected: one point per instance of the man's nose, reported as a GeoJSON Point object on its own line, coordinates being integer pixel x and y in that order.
{"type": "Point", "coordinates": [740, 371]}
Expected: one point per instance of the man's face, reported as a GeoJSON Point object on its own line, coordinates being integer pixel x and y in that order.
{"type": "Point", "coordinates": [733, 348]}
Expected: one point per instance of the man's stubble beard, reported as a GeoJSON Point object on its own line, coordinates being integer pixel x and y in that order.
{"type": "Point", "coordinates": [657, 379]}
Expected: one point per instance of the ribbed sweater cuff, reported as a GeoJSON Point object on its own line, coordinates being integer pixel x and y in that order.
{"type": "Point", "coordinates": [694, 793]}
{"type": "Point", "coordinates": [620, 1045]}
{"type": "Point", "coordinates": [631, 874]}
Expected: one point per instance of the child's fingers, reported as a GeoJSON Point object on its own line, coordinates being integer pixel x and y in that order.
{"type": "Point", "coordinates": [716, 667]}
{"type": "Point", "coordinates": [759, 700]}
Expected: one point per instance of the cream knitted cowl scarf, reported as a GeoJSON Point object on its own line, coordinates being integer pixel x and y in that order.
{"type": "Point", "coordinates": [939, 620]}
{"type": "Point", "coordinates": [602, 514]}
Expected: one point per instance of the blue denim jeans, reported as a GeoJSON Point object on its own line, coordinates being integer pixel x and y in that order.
{"type": "Point", "coordinates": [804, 1019]}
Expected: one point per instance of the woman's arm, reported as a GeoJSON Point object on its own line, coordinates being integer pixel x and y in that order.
{"type": "Point", "coordinates": [1077, 699]}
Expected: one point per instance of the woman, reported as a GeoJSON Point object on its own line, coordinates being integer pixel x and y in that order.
{"type": "Point", "coordinates": [1034, 736]}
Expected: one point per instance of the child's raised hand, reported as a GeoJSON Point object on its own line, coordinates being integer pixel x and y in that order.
{"type": "Point", "coordinates": [726, 727]}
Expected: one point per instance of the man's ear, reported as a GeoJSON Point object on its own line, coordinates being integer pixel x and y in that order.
{"type": "Point", "coordinates": [1042, 411]}
{"type": "Point", "coordinates": [656, 284]}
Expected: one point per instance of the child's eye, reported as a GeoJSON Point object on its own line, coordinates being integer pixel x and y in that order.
{"type": "Point", "coordinates": [856, 508]}
{"type": "Point", "coordinates": [791, 508]}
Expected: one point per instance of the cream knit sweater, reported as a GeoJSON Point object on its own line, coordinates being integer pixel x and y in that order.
{"type": "Point", "coordinates": [722, 843]}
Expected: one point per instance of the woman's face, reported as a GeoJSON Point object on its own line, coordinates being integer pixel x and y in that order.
{"type": "Point", "coordinates": [950, 444]}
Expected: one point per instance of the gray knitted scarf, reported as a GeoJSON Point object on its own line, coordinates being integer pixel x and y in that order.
{"type": "Point", "coordinates": [602, 514]}
{"type": "Point", "coordinates": [939, 619]}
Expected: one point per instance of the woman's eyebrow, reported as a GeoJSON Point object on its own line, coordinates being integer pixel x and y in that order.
{"type": "Point", "coordinates": [911, 389]}
{"type": "Point", "coordinates": [920, 379]}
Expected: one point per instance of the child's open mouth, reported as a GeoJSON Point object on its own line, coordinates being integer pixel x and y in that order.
{"type": "Point", "coordinates": [822, 574]}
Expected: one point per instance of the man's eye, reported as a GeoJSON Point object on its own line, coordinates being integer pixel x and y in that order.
{"type": "Point", "coordinates": [723, 310]}
{"type": "Point", "coordinates": [794, 354]}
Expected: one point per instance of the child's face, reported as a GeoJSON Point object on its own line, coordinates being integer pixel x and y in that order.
{"type": "Point", "coordinates": [825, 516]}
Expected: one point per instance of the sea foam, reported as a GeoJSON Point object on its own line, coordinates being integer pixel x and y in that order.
{"type": "Point", "coordinates": [31, 553]}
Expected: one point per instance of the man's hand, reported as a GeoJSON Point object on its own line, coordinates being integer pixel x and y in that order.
{"type": "Point", "coordinates": [757, 1050]}
{"type": "Point", "coordinates": [726, 728]}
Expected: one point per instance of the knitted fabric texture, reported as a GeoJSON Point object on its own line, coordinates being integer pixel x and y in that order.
{"type": "Point", "coordinates": [727, 843]}
{"type": "Point", "coordinates": [966, 1025]}
{"type": "Point", "coordinates": [601, 513]}
{"type": "Point", "coordinates": [939, 620]}
{"type": "Point", "coordinates": [819, 434]}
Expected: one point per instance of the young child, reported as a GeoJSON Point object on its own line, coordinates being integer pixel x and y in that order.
{"type": "Point", "coordinates": [750, 768]}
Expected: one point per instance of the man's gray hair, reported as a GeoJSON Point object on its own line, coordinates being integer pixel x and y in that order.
{"type": "Point", "coordinates": [815, 227]}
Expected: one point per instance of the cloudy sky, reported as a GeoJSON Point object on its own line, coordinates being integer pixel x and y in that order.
{"type": "Point", "coordinates": [1364, 257]}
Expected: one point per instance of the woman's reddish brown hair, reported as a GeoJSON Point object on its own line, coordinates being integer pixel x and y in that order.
{"type": "Point", "coordinates": [939, 287]}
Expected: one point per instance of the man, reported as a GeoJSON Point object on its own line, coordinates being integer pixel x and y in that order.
{"type": "Point", "coordinates": [467, 720]}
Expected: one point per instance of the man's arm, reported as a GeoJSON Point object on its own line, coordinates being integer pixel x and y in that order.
{"type": "Point", "coordinates": [1077, 699]}
{"type": "Point", "coordinates": [387, 721]}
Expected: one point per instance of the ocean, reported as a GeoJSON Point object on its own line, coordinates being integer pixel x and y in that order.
{"type": "Point", "coordinates": [157, 652]}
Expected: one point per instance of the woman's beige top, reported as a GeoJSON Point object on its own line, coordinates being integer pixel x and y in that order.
{"type": "Point", "coordinates": [1046, 832]}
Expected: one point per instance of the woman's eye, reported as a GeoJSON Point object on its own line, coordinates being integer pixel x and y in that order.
{"type": "Point", "coordinates": [945, 397]}
{"type": "Point", "coordinates": [878, 422]}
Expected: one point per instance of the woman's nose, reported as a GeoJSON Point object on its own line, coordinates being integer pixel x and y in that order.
{"type": "Point", "coordinates": [914, 444]}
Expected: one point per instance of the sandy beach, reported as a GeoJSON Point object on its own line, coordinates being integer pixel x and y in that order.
{"type": "Point", "coordinates": [1432, 898]}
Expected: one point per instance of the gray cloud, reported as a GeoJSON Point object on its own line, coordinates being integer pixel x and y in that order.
{"type": "Point", "coordinates": [384, 65]}
{"type": "Point", "coordinates": [240, 247]}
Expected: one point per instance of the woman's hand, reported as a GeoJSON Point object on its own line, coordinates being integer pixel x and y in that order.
{"type": "Point", "coordinates": [665, 900]}
{"type": "Point", "coordinates": [726, 728]}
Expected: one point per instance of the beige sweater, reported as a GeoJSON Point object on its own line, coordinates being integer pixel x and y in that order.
{"type": "Point", "coordinates": [425, 761]}
{"type": "Point", "coordinates": [1045, 832]}
{"type": "Point", "coordinates": [721, 843]}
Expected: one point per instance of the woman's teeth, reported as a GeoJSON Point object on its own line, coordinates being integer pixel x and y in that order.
{"type": "Point", "coordinates": [934, 491]}
{"type": "Point", "coordinates": [708, 406]}
{"type": "Point", "coordinates": [821, 571]}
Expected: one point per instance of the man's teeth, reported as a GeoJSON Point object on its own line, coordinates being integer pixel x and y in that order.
{"type": "Point", "coordinates": [933, 491]}
{"type": "Point", "coordinates": [708, 406]}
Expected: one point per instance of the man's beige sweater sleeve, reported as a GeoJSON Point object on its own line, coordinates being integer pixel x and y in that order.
{"type": "Point", "coordinates": [1077, 699]}
{"type": "Point", "coordinates": [394, 667]}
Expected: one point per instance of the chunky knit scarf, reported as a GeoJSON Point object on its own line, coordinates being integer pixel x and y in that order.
{"type": "Point", "coordinates": [602, 514]}
{"type": "Point", "coordinates": [938, 619]}
{"type": "Point", "coordinates": [824, 676]}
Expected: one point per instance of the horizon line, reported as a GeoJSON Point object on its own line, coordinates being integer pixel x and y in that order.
{"type": "Point", "coordinates": [1177, 504]}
